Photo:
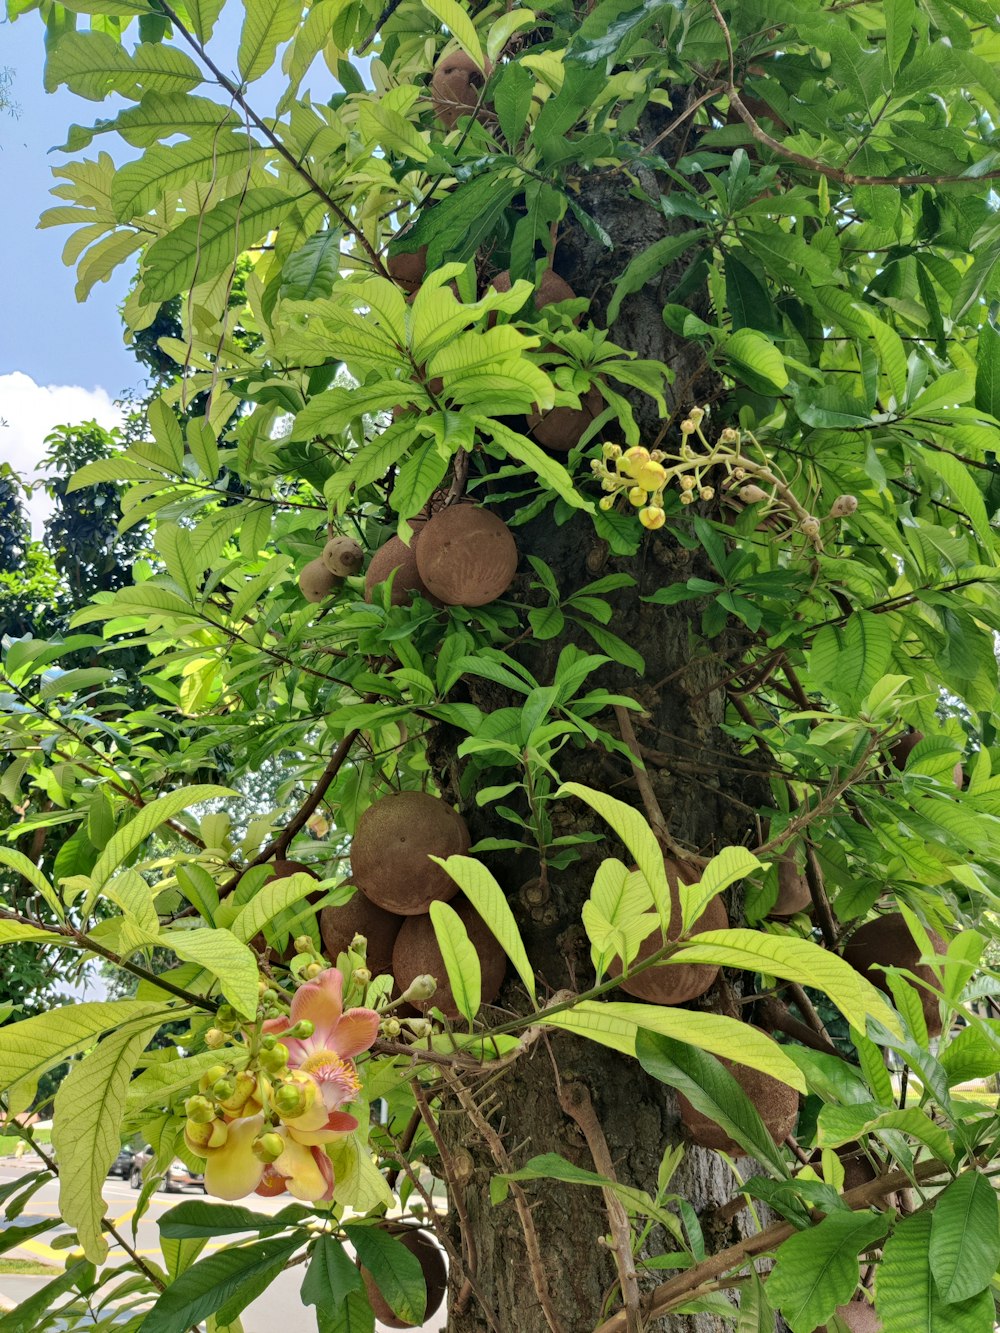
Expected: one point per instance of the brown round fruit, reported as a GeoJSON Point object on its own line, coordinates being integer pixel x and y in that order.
{"type": "Point", "coordinates": [392, 845]}
{"type": "Point", "coordinates": [408, 270]}
{"type": "Point", "coordinates": [777, 1105]}
{"type": "Point", "coordinates": [550, 289]}
{"type": "Point", "coordinates": [316, 582]}
{"type": "Point", "coordinates": [456, 87]}
{"type": "Point", "coordinates": [887, 942]}
{"type": "Point", "coordinates": [858, 1316]}
{"type": "Point", "coordinates": [343, 556]}
{"type": "Point", "coordinates": [395, 555]}
{"type": "Point", "coordinates": [674, 983]}
{"type": "Point", "coordinates": [901, 749]}
{"type": "Point", "coordinates": [793, 888]}
{"type": "Point", "coordinates": [416, 954]}
{"type": "Point", "coordinates": [561, 428]}
{"type": "Point", "coordinates": [435, 1272]}
{"type": "Point", "coordinates": [466, 556]}
{"type": "Point", "coordinates": [339, 925]}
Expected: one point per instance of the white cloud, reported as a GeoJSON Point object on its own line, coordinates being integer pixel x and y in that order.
{"type": "Point", "coordinates": [30, 411]}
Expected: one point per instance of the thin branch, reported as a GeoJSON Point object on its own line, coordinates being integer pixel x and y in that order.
{"type": "Point", "coordinates": [653, 812]}
{"type": "Point", "coordinates": [575, 1100]}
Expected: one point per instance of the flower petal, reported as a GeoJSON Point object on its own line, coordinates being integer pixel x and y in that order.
{"type": "Point", "coordinates": [304, 1175]}
{"type": "Point", "coordinates": [339, 1123]}
{"type": "Point", "coordinates": [232, 1171]}
{"type": "Point", "coordinates": [322, 1002]}
{"type": "Point", "coordinates": [355, 1032]}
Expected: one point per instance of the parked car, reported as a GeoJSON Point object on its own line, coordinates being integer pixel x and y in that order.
{"type": "Point", "coordinates": [122, 1165]}
{"type": "Point", "coordinates": [177, 1176]}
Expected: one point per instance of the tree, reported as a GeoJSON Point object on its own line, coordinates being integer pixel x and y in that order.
{"type": "Point", "coordinates": [694, 305]}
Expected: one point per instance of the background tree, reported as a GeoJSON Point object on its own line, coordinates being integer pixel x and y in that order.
{"type": "Point", "coordinates": [694, 304]}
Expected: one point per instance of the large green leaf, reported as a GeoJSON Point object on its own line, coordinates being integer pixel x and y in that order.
{"type": "Point", "coordinates": [87, 1117]}
{"type": "Point", "coordinates": [219, 952]}
{"type": "Point", "coordinates": [794, 960]}
{"type": "Point", "coordinates": [270, 900]}
{"type": "Point", "coordinates": [906, 1296]}
{"type": "Point", "coordinates": [145, 822]}
{"type": "Point", "coordinates": [460, 959]}
{"type": "Point", "coordinates": [396, 1271]}
{"type": "Point", "coordinates": [202, 247]}
{"type": "Point", "coordinates": [490, 902]}
{"type": "Point", "coordinates": [816, 1270]}
{"type": "Point", "coordinates": [164, 170]}
{"type": "Point", "coordinates": [965, 1238]}
{"type": "Point", "coordinates": [208, 1285]}
{"type": "Point", "coordinates": [266, 24]}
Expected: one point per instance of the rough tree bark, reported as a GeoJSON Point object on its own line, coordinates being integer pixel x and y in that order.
{"type": "Point", "coordinates": [706, 804]}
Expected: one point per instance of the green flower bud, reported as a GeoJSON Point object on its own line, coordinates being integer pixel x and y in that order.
{"type": "Point", "coordinates": [214, 1038]}
{"type": "Point", "coordinates": [199, 1109]}
{"type": "Point", "coordinates": [304, 1028]}
{"type": "Point", "coordinates": [303, 944]}
{"type": "Point", "coordinates": [362, 976]}
{"type": "Point", "coordinates": [223, 1088]}
{"type": "Point", "coordinates": [312, 971]}
{"type": "Point", "coordinates": [290, 1100]}
{"type": "Point", "coordinates": [269, 1147]}
{"type": "Point", "coordinates": [391, 1027]}
{"type": "Point", "coordinates": [276, 1059]}
{"type": "Point", "coordinates": [268, 1041]}
{"type": "Point", "coordinates": [210, 1077]}
{"type": "Point", "coordinates": [420, 988]}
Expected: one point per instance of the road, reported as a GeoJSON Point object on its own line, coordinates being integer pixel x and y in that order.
{"type": "Point", "coordinates": [270, 1311]}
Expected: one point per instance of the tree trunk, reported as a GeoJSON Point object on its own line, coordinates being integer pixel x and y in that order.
{"type": "Point", "coordinates": [706, 806]}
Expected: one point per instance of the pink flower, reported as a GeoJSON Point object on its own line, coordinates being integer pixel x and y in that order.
{"type": "Point", "coordinates": [325, 1056]}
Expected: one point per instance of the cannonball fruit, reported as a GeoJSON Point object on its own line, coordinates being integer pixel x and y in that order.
{"type": "Point", "coordinates": [408, 270]}
{"type": "Point", "coordinates": [562, 428]}
{"type": "Point", "coordinates": [673, 983]}
{"type": "Point", "coordinates": [316, 582]}
{"type": "Point", "coordinates": [466, 556]}
{"type": "Point", "coordinates": [392, 844]}
{"type": "Point", "coordinates": [793, 888]}
{"type": "Point", "coordinates": [435, 1272]}
{"type": "Point", "coordinates": [343, 556]}
{"type": "Point", "coordinates": [888, 943]}
{"type": "Point", "coordinates": [416, 954]}
{"type": "Point", "coordinates": [859, 1316]}
{"type": "Point", "coordinates": [339, 925]}
{"type": "Point", "coordinates": [395, 555]}
{"type": "Point", "coordinates": [550, 289]}
{"type": "Point", "coordinates": [777, 1105]}
{"type": "Point", "coordinates": [456, 87]}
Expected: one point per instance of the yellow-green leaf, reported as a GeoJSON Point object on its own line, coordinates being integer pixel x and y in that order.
{"type": "Point", "coordinates": [490, 902]}
{"type": "Point", "coordinates": [458, 23]}
{"type": "Point", "coordinates": [460, 959]}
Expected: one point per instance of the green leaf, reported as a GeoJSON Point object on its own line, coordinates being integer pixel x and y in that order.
{"type": "Point", "coordinates": [490, 901]}
{"type": "Point", "coordinates": [638, 837]}
{"type": "Point", "coordinates": [201, 247]}
{"type": "Point", "coordinates": [906, 1297]}
{"type": "Point", "coordinates": [817, 1269]}
{"type": "Point", "coordinates": [618, 1025]}
{"type": "Point", "coordinates": [512, 100]}
{"type": "Point", "coordinates": [647, 264]}
{"type": "Point", "coordinates": [26, 868]}
{"type": "Point", "coordinates": [331, 1275]}
{"type": "Point", "coordinates": [965, 1238]}
{"type": "Point", "coordinates": [266, 24]}
{"type": "Point", "coordinates": [269, 901]}
{"type": "Point", "coordinates": [457, 21]}
{"type": "Point", "coordinates": [460, 958]}
{"type": "Point", "coordinates": [219, 952]}
{"type": "Point", "coordinates": [965, 492]}
{"type": "Point", "coordinates": [795, 960]}
{"type": "Point", "coordinates": [86, 1132]}
{"type": "Point", "coordinates": [197, 1219]}
{"type": "Point", "coordinates": [397, 1272]}
{"type": "Point", "coordinates": [207, 1285]}
{"type": "Point", "coordinates": [145, 822]}
{"type": "Point", "coordinates": [312, 270]}
{"type": "Point", "coordinates": [519, 447]}
{"type": "Point", "coordinates": [730, 865]}
{"type": "Point", "coordinates": [712, 1090]}
{"type": "Point", "coordinates": [849, 661]}
{"type": "Point", "coordinates": [164, 171]}
{"type": "Point", "coordinates": [34, 1045]}
{"type": "Point", "coordinates": [756, 361]}
{"type": "Point", "coordinates": [988, 370]}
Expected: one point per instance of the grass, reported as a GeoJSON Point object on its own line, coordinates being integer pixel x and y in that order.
{"type": "Point", "coordinates": [8, 1142]}
{"type": "Point", "coordinates": [26, 1268]}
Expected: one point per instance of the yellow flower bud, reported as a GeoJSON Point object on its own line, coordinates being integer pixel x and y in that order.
{"type": "Point", "coordinates": [210, 1077]}
{"type": "Point", "coordinates": [607, 503]}
{"type": "Point", "coordinates": [420, 988]}
{"type": "Point", "coordinates": [638, 496]}
{"type": "Point", "coordinates": [687, 498]}
{"type": "Point", "coordinates": [245, 1086]}
{"type": "Point", "coordinates": [611, 450]}
{"type": "Point", "coordinates": [214, 1038]}
{"type": "Point", "coordinates": [696, 414]}
{"type": "Point", "coordinates": [729, 436]}
{"type": "Point", "coordinates": [303, 944]}
{"type": "Point", "coordinates": [200, 1110]}
{"type": "Point", "coordinates": [268, 1148]}
{"type": "Point", "coordinates": [652, 517]}
{"type": "Point", "coordinates": [652, 476]}
{"type": "Point", "coordinates": [707, 492]}
{"type": "Point", "coordinates": [687, 483]}
{"type": "Point", "coordinates": [391, 1027]}
{"type": "Point", "coordinates": [312, 971]}
{"type": "Point", "coordinates": [687, 426]}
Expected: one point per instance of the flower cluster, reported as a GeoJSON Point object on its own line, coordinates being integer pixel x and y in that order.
{"type": "Point", "coordinates": [267, 1129]}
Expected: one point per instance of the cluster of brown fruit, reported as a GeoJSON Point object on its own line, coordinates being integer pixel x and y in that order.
{"type": "Point", "coordinates": [397, 882]}
{"type": "Point", "coordinates": [461, 555]}
{"type": "Point", "coordinates": [341, 558]}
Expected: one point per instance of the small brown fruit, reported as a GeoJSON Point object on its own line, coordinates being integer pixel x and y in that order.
{"type": "Point", "coordinates": [339, 925]}
{"type": "Point", "coordinates": [793, 888]}
{"type": "Point", "coordinates": [435, 1272]}
{"type": "Point", "coordinates": [316, 582]}
{"type": "Point", "coordinates": [416, 953]}
{"type": "Point", "coordinates": [343, 556]}
{"type": "Point", "coordinates": [392, 844]}
{"type": "Point", "coordinates": [395, 555]}
{"type": "Point", "coordinates": [466, 556]}
{"type": "Point", "coordinates": [561, 428]}
{"type": "Point", "coordinates": [777, 1105]}
{"type": "Point", "coordinates": [901, 749]}
{"type": "Point", "coordinates": [408, 270]}
{"type": "Point", "coordinates": [456, 87]}
{"type": "Point", "coordinates": [859, 1316]}
{"type": "Point", "coordinates": [674, 983]}
{"type": "Point", "coordinates": [888, 943]}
